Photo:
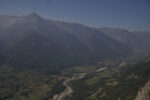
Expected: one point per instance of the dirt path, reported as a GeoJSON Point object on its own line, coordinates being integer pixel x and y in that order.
{"type": "Point", "coordinates": [68, 90]}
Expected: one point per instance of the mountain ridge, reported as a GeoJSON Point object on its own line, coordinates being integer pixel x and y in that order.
{"type": "Point", "coordinates": [69, 42]}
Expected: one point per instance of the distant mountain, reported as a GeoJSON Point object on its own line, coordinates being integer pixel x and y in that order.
{"type": "Point", "coordinates": [98, 42]}
{"type": "Point", "coordinates": [2, 58]}
{"type": "Point", "coordinates": [130, 39]}
{"type": "Point", "coordinates": [32, 41]}
{"type": "Point", "coordinates": [144, 35]}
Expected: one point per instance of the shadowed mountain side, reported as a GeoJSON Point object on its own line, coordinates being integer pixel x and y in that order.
{"type": "Point", "coordinates": [32, 41]}
{"type": "Point", "coordinates": [144, 35]}
{"type": "Point", "coordinates": [133, 41]}
{"type": "Point", "coordinates": [95, 40]}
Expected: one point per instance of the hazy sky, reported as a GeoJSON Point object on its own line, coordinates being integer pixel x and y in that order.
{"type": "Point", "coordinates": [129, 14]}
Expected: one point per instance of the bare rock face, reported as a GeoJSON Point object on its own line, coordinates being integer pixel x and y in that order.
{"type": "Point", "coordinates": [144, 93]}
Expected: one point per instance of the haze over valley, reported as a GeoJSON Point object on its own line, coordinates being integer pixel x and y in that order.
{"type": "Point", "coordinates": [74, 50]}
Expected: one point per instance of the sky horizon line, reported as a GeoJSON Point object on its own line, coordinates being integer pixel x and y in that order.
{"type": "Point", "coordinates": [54, 19]}
{"type": "Point", "coordinates": [126, 14]}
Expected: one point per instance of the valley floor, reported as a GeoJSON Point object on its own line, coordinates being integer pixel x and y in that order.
{"type": "Point", "coordinates": [106, 80]}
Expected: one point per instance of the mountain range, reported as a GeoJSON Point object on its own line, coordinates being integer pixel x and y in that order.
{"type": "Point", "coordinates": [34, 42]}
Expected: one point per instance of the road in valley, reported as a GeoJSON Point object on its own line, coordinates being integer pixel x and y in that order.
{"type": "Point", "coordinates": [68, 90]}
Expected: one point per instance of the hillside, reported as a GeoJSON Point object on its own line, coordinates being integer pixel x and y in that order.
{"type": "Point", "coordinates": [144, 93]}
{"type": "Point", "coordinates": [144, 35]}
{"type": "Point", "coordinates": [34, 42]}
{"type": "Point", "coordinates": [115, 81]}
{"type": "Point", "coordinates": [134, 41]}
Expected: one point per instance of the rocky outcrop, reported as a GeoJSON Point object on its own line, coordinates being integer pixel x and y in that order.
{"type": "Point", "coordinates": [144, 93]}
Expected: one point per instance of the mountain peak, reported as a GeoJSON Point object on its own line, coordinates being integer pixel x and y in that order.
{"type": "Point", "coordinates": [34, 15]}
{"type": "Point", "coordinates": [108, 29]}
